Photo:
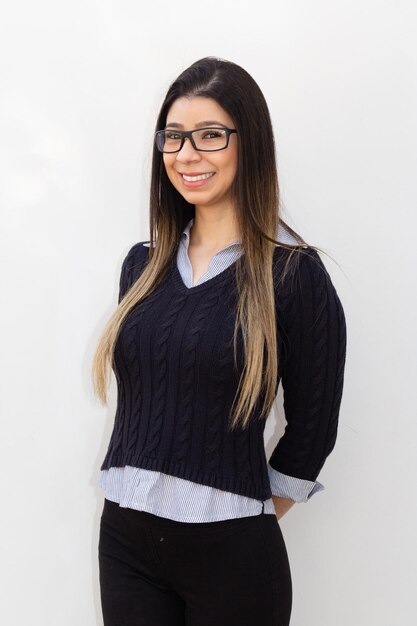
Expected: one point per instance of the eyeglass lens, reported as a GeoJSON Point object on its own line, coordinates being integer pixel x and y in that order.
{"type": "Point", "coordinates": [204, 139]}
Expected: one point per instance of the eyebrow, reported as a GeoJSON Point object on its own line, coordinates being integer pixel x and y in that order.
{"type": "Point", "coordinates": [198, 125]}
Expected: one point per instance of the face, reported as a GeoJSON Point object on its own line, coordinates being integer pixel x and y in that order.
{"type": "Point", "coordinates": [188, 114]}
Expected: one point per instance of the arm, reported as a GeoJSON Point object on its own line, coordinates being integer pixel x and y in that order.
{"type": "Point", "coordinates": [287, 490]}
{"type": "Point", "coordinates": [297, 489]}
{"type": "Point", "coordinates": [282, 505]}
{"type": "Point", "coordinates": [312, 337]}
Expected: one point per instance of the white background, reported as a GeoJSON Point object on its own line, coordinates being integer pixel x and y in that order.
{"type": "Point", "coordinates": [80, 86]}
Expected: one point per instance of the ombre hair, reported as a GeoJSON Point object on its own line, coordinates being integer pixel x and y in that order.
{"type": "Point", "coordinates": [256, 200]}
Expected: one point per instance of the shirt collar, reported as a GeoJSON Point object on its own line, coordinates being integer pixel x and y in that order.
{"type": "Point", "coordinates": [185, 235]}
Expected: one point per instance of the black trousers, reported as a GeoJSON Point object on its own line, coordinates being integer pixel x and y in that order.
{"type": "Point", "coordinates": [159, 572]}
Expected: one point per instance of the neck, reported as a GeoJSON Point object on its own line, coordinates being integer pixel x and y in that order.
{"type": "Point", "coordinates": [211, 230]}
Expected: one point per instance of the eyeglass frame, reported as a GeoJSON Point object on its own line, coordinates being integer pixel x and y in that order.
{"type": "Point", "coordinates": [188, 133]}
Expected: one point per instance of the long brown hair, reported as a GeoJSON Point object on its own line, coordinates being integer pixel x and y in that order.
{"type": "Point", "coordinates": [255, 194]}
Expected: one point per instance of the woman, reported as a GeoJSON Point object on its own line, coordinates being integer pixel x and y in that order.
{"type": "Point", "coordinates": [222, 303]}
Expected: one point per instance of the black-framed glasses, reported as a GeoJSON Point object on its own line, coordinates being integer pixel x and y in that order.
{"type": "Point", "coordinates": [208, 139]}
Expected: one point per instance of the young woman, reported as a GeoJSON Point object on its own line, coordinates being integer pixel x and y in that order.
{"type": "Point", "coordinates": [220, 305]}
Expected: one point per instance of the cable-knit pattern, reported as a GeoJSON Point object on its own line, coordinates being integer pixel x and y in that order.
{"type": "Point", "coordinates": [340, 359]}
{"type": "Point", "coordinates": [134, 380]}
{"type": "Point", "coordinates": [188, 387]}
{"type": "Point", "coordinates": [311, 370]}
{"type": "Point", "coordinates": [178, 381]}
{"type": "Point", "coordinates": [187, 500]}
{"type": "Point", "coordinates": [330, 344]}
{"type": "Point", "coordinates": [288, 332]}
{"type": "Point", "coordinates": [215, 426]}
{"type": "Point", "coordinates": [115, 447]}
{"type": "Point", "coordinates": [293, 446]}
{"type": "Point", "coordinates": [242, 455]}
{"type": "Point", "coordinates": [242, 448]}
{"type": "Point", "coordinates": [122, 437]}
{"type": "Point", "coordinates": [159, 398]}
{"type": "Point", "coordinates": [316, 330]}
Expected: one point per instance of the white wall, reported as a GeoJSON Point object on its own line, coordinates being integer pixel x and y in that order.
{"type": "Point", "coordinates": [80, 86]}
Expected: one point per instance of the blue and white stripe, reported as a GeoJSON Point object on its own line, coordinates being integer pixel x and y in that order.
{"type": "Point", "coordinates": [182, 500]}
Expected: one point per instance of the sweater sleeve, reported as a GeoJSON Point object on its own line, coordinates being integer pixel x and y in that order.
{"type": "Point", "coordinates": [312, 338]}
{"type": "Point", "coordinates": [296, 489]}
{"type": "Point", "coordinates": [132, 266]}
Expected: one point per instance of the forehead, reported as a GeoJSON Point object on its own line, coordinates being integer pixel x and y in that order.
{"type": "Point", "coordinates": [191, 111]}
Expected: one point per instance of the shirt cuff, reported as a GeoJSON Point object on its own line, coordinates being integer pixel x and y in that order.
{"type": "Point", "coordinates": [296, 489]}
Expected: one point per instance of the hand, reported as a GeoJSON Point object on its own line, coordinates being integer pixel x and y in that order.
{"type": "Point", "coordinates": [282, 505]}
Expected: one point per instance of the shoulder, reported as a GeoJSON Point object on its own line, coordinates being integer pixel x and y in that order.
{"type": "Point", "coordinates": [301, 274]}
{"type": "Point", "coordinates": [139, 249]}
{"type": "Point", "coordinates": [137, 255]}
{"type": "Point", "coordinates": [133, 264]}
{"type": "Point", "coordinates": [307, 295]}
{"type": "Point", "coordinates": [297, 255]}
{"type": "Point", "coordinates": [303, 259]}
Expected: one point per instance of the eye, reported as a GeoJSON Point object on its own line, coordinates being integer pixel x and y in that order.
{"type": "Point", "coordinates": [172, 135]}
{"type": "Point", "coordinates": [212, 133]}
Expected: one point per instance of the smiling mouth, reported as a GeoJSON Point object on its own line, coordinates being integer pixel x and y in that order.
{"type": "Point", "coordinates": [192, 179]}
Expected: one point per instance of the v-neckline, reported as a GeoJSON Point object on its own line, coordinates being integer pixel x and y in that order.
{"type": "Point", "coordinates": [218, 278]}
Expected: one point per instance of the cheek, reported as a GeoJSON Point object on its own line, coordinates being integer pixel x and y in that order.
{"type": "Point", "coordinates": [227, 168]}
{"type": "Point", "coordinates": [167, 163]}
{"type": "Point", "coordinates": [232, 164]}
{"type": "Point", "coordinates": [169, 168]}
{"type": "Point", "coordinates": [232, 171]}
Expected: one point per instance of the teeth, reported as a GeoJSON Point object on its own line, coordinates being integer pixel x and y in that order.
{"type": "Point", "coordinates": [192, 179]}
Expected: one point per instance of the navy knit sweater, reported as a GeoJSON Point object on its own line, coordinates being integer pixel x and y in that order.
{"type": "Point", "coordinates": [176, 378]}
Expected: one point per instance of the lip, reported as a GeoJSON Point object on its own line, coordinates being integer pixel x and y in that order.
{"type": "Point", "coordinates": [196, 184]}
{"type": "Point", "coordinates": [194, 173]}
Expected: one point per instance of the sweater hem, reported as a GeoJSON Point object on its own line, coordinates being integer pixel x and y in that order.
{"type": "Point", "coordinates": [240, 486]}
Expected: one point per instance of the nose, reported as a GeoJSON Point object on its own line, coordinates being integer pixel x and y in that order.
{"type": "Point", "coordinates": [187, 152]}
